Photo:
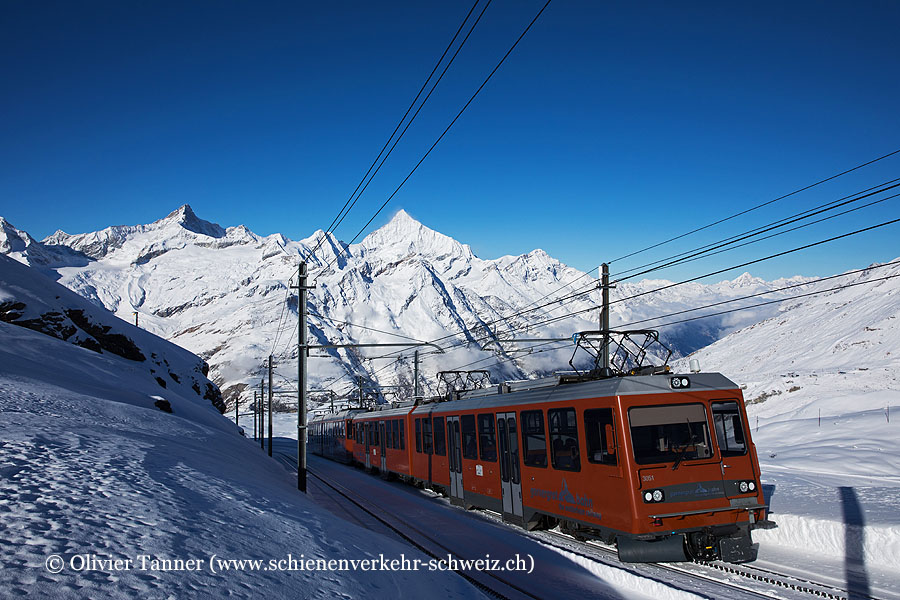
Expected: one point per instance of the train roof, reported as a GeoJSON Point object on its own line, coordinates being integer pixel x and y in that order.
{"type": "Point", "coordinates": [556, 389]}
{"type": "Point", "coordinates": [329, 416]}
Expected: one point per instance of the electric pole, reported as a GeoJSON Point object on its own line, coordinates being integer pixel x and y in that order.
{"type": "Point", "coordinates": [262, 414]}
{"type": "Point", "coordinates": [135, 318]}
{"type": "Point", "coordinates": [302, 355]}
{"type": "Point", "coordinates": [255, 415]}
{"type": "Point", "coordinates": [416, 375]}
{"type": "Point", "coordinates": [604, 317]}
{"type": "Point", "coordinates": [270, 405]}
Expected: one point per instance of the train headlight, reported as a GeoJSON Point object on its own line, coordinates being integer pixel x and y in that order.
{"type": "Point", "coordinates": [744, 487]}
{"type": "Point", "coordinates": [751, 485]}
{"type": "Point", "coordinates": [679, 383]}
{"type": "Point", "coordinates": [653, 496]}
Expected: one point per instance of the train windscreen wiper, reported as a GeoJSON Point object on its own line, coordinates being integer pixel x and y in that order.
{"type": "Point", "coordinates": [684, 448]}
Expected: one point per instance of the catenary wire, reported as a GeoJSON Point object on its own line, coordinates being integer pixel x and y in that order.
{"type": "Point", "coordinates": [455, 119]}
{"type": "Point", "coordinates": [753, 208]}
{"type": "Point", "coordinates": [397, 128]}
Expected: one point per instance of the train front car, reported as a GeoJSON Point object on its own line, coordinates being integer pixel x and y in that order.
{"type": "Point", "coordinates": [695, 488]}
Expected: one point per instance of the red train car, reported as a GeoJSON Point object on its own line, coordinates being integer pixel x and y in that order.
{"type": "Point", "coordinates": [661, 465]}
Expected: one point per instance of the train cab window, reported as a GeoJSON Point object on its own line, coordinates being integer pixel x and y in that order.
{"type": "Point", "coordinates": [673, 433]}
{"type": "Point", "coordinates": [426, 435]}
{"type": "Point", "coordinates": [600, 436]}
{"type": "Point", "coordinates": [469, 441]}
{"type": "Point", "coordinates": [729, 428]}
{"type": "Point", "coordinates": [564, 439]}
{"type": "Point", "coordinates": [534, 439]}
{"type": "Point", "coordinates": [486, 439]}
{"type": "Point", "coordinates": [440, 440]}
{"type": "Point", "coordinates": [418, 435]}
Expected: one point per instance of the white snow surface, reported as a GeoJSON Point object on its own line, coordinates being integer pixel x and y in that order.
{"type": "Point", "coordinates": [86, 468]}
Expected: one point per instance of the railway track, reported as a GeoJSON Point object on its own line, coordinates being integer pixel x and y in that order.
{"type": "Point", "coordinates": [755, 583]}
{"type": "Point", "coordinates": [487, 581]}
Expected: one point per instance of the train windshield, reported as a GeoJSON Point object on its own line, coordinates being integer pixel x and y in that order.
{"type": "Point", "coordinates": [674, 433]}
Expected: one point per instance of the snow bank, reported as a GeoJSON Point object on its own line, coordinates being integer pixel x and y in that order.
{"type": "Point", "coordinates": [879, 545]}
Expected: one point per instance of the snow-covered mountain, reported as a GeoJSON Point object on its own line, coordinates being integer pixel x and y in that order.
{"type": "Point", "coordinates": [223, 294]}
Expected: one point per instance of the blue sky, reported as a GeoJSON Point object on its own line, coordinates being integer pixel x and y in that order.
{"type": "Point", "coordinates": [611, 127]}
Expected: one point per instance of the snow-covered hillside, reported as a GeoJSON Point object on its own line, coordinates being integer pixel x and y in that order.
{"type": "Point", "coordinates": [221, 293]}
{"type": "Point", "coordinates": [30, 300]}
{"type": "Point", "coordinates": [90, 468]}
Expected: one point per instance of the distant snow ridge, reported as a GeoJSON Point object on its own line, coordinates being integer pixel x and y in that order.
{"type": "Point", "coordinates": [852, 329]}
{"type": "Point", "coordinates": [221, 292]}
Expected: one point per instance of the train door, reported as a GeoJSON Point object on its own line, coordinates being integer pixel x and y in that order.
{"type": "Point", "coordinates": [382, 445]}
{"type": "Point", "coordinates": [733, 442]}
{"type": "Point", "coordinates": [510, 481]}
{"type": "Point", "coordinates": [454, 456]}
{"type": "Point", "coordinates": [368, 437]}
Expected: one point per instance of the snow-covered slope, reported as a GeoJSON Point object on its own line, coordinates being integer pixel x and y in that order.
{"type": "Point", "coordinates": [30, 300]}
{"type": "Point", "coordinates": [89, 472]}
{"type": "Point", "coordinates": [221, 293]}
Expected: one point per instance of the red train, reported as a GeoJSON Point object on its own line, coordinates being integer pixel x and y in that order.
{"type": "Point", "coordinates": [660, 465]}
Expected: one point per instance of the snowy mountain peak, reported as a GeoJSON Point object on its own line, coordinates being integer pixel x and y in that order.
{"type": "Point", "coordinates": [403, 236]}
{"type": "Point", "coordinates": [25, 249]}
{"type": "Point", "coordinates": [746, 279]}
{"type": "Point", "coordinates": [11, 239]}
{"type": "Point", "coordinates": [186, 218]}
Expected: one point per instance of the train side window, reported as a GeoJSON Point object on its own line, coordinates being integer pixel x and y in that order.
{"type": "Point", "coordinates": [440, 441]}
{"type": "Point", "coordinates": [375, 434]}
{"type": "Point", "coordinates": [388, 437]}
{"type": "Point", "coordinates": [469, 441]}
{"type": "Point", "coordinates": [729, 429]}
{"type": "Point", "coordinates": [486, 438]}
{"type": "Point", "coordinates": [426, 435]}
{"type": "Point", "coordinates": [534, 440]}
{"type": "Point", "coordinates": [395, 437]}
{"type": "Point", "coordinates": [402, 434]}
{"type": "Point", "coordinates": [419, 435]}
{"type": "Point", "coordinates": [564, 451]}
{"type": "Point", "coordinates": [601, 437]}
